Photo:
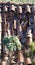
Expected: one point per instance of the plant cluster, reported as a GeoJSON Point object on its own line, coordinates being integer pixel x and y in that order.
{"type": "Point", "coordinates": [12, 43]}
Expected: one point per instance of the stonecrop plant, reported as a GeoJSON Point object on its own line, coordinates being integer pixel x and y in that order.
{"type": "Point", "coordinates": [12, 43]}
{"type": "Point", "coordinates": [32, 50]}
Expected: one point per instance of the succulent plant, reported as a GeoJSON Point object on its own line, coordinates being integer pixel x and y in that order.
{"type": "Point", "coordinates": [12, 43]}
{"type": "Point", "coordinates": [32, 50]}
{"type": "Point", "coordinates": [32, 46]}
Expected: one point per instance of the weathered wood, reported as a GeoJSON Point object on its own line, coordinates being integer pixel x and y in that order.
{"type": "Point", "coordinates": [5, 58]}
{"type": "Point", "coordinates": [4, 20]}
{"type": "Point", "coordinates": [19, 9]}
{"type": "Point", "coordinates": [0, 33]}
{"type": "Point", "coordinates": [33, 9]}
{"type": "Point", "coordinates": [0, 27]}
{"type": "Point", "coordinates": [20, 57]}
{"type": "Point", "coordinates": [14, 24]}
{"type": "Point", "coordinates": [34, 19]}
{"type": "Point", "coordinates": [28, 37]}
{"type": "Point", "coordinates": [34, 29]}
{"type": "Point", "coordinates": [0, 18]}
{"type": "Point", "coordinates": [3, 63]}
{"type": "Point", "coordinates": [11, 21]}
{"type": "Point", "coordinates": [5, 51]}
{"type": "Point", "coordinates": [12, 2]}
{"type": "Point", "coordinates": [28, 61]}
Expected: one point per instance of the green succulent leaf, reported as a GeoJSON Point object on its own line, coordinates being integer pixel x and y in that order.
{"type": "Point", "coordinates": [32, 46]}
{"type": "Point", "coordinates": [6, 40]}
{"type": "Point", "coordinates": [12, 43]}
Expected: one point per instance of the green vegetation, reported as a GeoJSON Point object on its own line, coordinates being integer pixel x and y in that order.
{"type": "Point", "coordinates": [32, 46]}
{"type": "Point", "coordinates": [32, 52]}
{"type": "Point", "coordinates": [12, 43]}
{"type": "Point", "coordinates": [33, 63]}
{"type": "Point", "coordinates": [18, 0]}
